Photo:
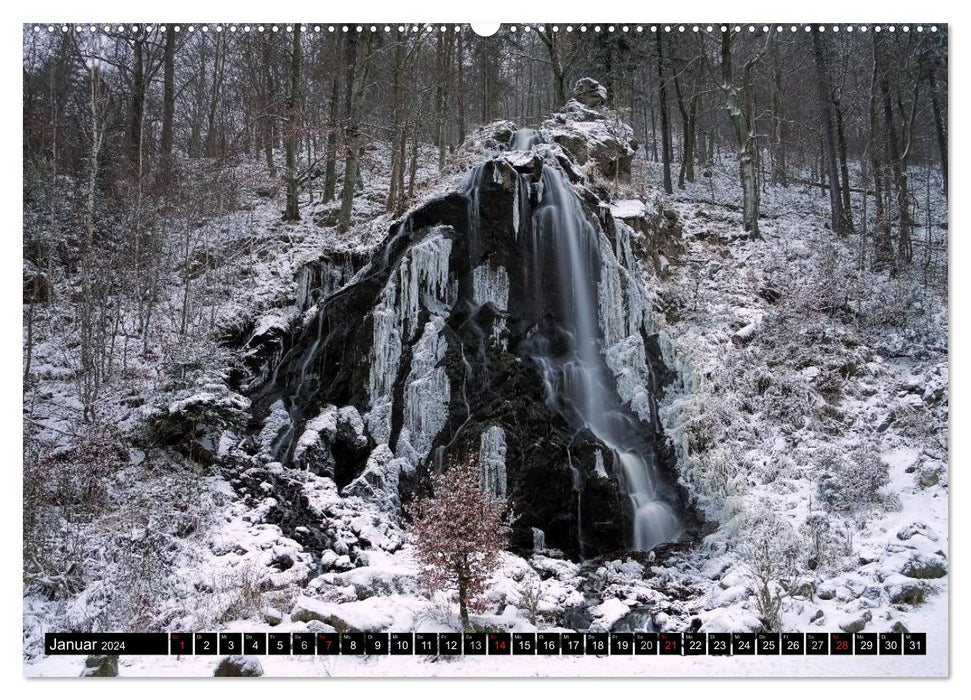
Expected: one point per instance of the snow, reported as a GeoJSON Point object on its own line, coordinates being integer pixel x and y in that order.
{"type": "Point", "coordinates": [627, 209]}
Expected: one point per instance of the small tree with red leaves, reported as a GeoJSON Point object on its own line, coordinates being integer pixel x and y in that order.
{"type": "Point", "coordinates": [460, 532]}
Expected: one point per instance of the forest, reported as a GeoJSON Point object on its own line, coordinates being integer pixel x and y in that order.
{"type": "Point", "coordinates": [279, 278]}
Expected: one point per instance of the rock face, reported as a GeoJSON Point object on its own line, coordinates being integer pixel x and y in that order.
{"type": "Point", "coordinates": [506, 320]}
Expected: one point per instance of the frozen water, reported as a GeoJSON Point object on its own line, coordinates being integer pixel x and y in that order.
{"type": "Point", "coordinates": [492, 460]}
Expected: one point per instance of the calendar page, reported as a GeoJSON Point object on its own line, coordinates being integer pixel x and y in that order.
{"type": "Point", "coordinates": [517, 350]}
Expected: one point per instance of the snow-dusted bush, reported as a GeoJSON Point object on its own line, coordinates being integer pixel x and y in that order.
{"type": "Point", "coordinates": [847, 482]}
{"type": "Point", "coordinates": [717, 471]}
{"type": "Point", "coordinates": [64, 492]}
{"type": "Point", "coordinates": [530, 597]}
{"type": "Point", "coordinates": [770, 550]}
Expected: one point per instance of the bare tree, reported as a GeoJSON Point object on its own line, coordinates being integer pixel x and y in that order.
{"type": "Point", "coordinates": [662, 99]}
{"type": "Point", "coordinates": [168, 101]}
{"type": "Point", "coordinates": [825, 94]}
{"type": "Point", "coordinates": [460, 531]}
{"type": "Point", "coordinates": [351, 132]}
{"type": "Point", "coordinates": [293, 130]}
{"type": "Point", "coordinates": [739, 95]}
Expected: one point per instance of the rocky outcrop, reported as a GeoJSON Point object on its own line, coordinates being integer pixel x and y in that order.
{"type": "Point", "coordinates": [591, 132]}
{"type": "Point", "coordinates": [457, 337]}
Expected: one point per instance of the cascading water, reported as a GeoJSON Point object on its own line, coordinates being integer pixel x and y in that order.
{"type": "Point", "coordinates": [570, 357]}
{"type": "Point", "coordinates": [525, 139]}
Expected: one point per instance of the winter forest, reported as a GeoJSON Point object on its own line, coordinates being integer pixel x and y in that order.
{"type": "Point", "coordinates": [399, 328]}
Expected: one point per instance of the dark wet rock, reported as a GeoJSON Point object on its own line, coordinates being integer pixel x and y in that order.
{"type": "Point", "coordinates": [826, 591]}
{"type": "Point", "coordinates": [576, 617]}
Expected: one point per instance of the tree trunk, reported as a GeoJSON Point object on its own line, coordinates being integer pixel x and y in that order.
{"type": "Point", "coordinates": [293, 130]}
{"type": "Point", "coordinates": [350, 132]}
{"type": "Point", "coordinates": [168, 100]}
{"type": "Point", "coordinates": [460, 87]}
{"type": "Point", "coordinates": [333, 122]}
{"type": "Point", "coordinates": [665, 127]}
{"type": "Point", "coordinates": [899, 172]}
{"type": "Point", "coordinates": [137, 107]}
{"type": "Point", "coordinates": [463, 585]}
{"type": "Point", "coordinates": [844, 169]}
{"type": "Point", "coordinates": [940, 128]}
{"type": "Point", "coordinates": [398, 128]}
{"type": "Point", "coordinates": [825, 95]}
{"type": "Point", "coordinates": [739, 109]}
{"type": "Point", "coordinates": [269, 99]}
{"type": "Point", "coordinates": [779, 173]}
{"type": "Point", "coordinates": [688, 122]}
{"type": "Point", "coordinates": [219, 62]}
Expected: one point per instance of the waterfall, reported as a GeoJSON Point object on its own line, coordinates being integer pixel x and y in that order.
{"type": "Point", "coordinates": [569, 268]}
{"type": "Point", "coordinates": [502, 313]}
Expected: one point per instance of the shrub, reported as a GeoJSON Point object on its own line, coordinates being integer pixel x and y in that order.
{"type": "Point", "coordinates": [769, 549]}
{"type": "Point", "coordinates": [850, 482]}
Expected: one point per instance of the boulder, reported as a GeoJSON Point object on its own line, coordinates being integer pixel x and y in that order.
{"type": "Point", "coordinates": [857, 624]}
{"type": "Point", "coordinates": [378, 483]}
{"type": "Point", "coordinates": [310, 610]}
{"type": "Point", "coordinates": [590, 93]}
{"type": "Point", "coordinates": [333, 444]}
{"type": "Point", "coordinates": [272, 617]}
{"type": "Point", "coordinates": [907, 593]}
{"type": "Point", "coordinates": [238, 667]}
{"type": "Point", "coordinates": [100, 665]}
{"type": "Point", "coordinates": [924, 566]}
{"type": "Point", "coordinates": [916, 528]}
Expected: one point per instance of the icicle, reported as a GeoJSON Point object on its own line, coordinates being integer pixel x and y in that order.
{"type": "Point", "coordinates": [515, 208]}
{"type": "Point", "coordinates": [539, 540]}
{"type": "Point", "coordinates": [426, 394]}
{"type": "Point", "coordinates": [420, 280]}
{"type": "Point", "coordinates": [490, 285]}
{"type": "Point", "coordinates": [492, 460]}
{"type": "Point", "coordinates": [628, 362]}
{"type": "Point", "coordinates": [598, 466]}
{"type": "Point", "coordinates": [610, 292]}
